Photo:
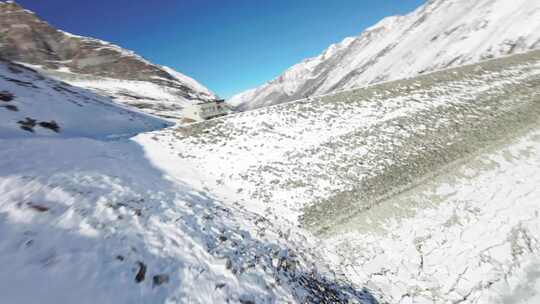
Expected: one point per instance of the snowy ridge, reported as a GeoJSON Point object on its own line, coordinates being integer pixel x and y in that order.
{"type": "Point", "coordinates": [147, 96]}
{"type": "Point", "coordinates": [34, 105]}
{"type": "Point", "coordinates": [92, 63]}
{"type": "Point", "coordinates": [188, 80]}
{"type": "Point", "coordinates": [438, 35]}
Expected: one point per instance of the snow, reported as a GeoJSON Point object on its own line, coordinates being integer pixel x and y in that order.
{"type": "Point", "coordinates": [438, 35]}
{"type": "Point", "coordinates": [78, 112]}
{"type": "Point", "coordinates": [422, 190]}
{"type": "Point", "coordinates": [468, 235]}
{"type": "Point", "coordinates": [158, 218]}
{"type": "Point", "coordinates": [85, 218]}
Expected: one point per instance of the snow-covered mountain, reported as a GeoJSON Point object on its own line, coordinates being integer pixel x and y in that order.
{"type": "Point", "coordinates": [33, 105]}
{"type": "Point", "coordinates": [438, 35]}
{"type": "Point", "coordinates": [95, 64]}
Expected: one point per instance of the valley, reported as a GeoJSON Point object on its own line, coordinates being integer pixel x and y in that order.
{"type": "Point", "coordinates": [399, 166]}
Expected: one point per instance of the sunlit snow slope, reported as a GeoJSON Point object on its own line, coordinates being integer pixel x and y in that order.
{"type": "Point", "coordinates": [438, 35]}
{"type": "Point", "coordinates": [425, 189]}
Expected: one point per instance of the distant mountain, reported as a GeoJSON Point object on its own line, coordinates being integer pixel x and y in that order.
{"type": "Point", "coordinates": [95, 64]}
{"type": "Point", "coordinates": [438, 35]}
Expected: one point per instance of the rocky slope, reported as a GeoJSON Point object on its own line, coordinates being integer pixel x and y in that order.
{"type": "Point", "coordinates": [95, 64]}
{"type": "Point", "coordinates": [342, 152]}
{"type": "Point", "coordinates": [440, 34]}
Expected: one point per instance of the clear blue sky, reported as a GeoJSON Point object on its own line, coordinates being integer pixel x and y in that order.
{"type": "Point", "coordinates": [228, 45]}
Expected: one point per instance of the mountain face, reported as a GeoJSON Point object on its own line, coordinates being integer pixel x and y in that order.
{"type": "Point", "coordinates": [99, 65]}
{"type": "Point", "coordinates": [438, 35]}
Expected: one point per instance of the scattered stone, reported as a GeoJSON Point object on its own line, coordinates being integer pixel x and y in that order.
{"type": "Point", "coordinates": [6, 96]}
{"type": "Point", "coordinates": [141, 274]}
{"type": "Point", "coordinates": [52, 125]}
{"type": "Point", "coordinates": [12, 108]}
{"type": "Point", "coordinates": [14, 70]}
{"type": "Point", "coordinates": [220, 285]}
{"type": "Point", "coordinates": [63, 89]}
{"type": "Point", "coordinates": [28, 124]}
{"type": "Point", "coordinates": [38, 208]}
{"type": "Point", "coordinates": [244, 301]}
{"type": "Point", "coordinates": [160, 279]}
{"type": "Point", "coordinates": [21, 83]}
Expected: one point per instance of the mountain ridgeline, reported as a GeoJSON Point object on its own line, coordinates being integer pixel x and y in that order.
{"type": "Point", "coordinates": [438, 35]}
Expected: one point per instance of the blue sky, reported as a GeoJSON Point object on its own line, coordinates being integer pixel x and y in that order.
{"type": "Point", "coordinates": [228, 45]}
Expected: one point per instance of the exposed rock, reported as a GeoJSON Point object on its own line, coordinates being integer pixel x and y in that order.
{"type": "Point", "coordinates": [160, 279]}
{"type": "Point", "coordinates": [28, 124]}
{"type": "Point", "coordinates": [6, 96]}
{"type": "Point", "coordinates": [11, 108]}
{"type": "Point", "coordinates": [141, 273]}
{"type": "Point", "coordinates": [37, 207]}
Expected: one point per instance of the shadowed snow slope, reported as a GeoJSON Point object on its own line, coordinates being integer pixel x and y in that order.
{"type": "Point", "coordinates": [439, 34]}
{"type": "Point", "coordinates": [35, 105]}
